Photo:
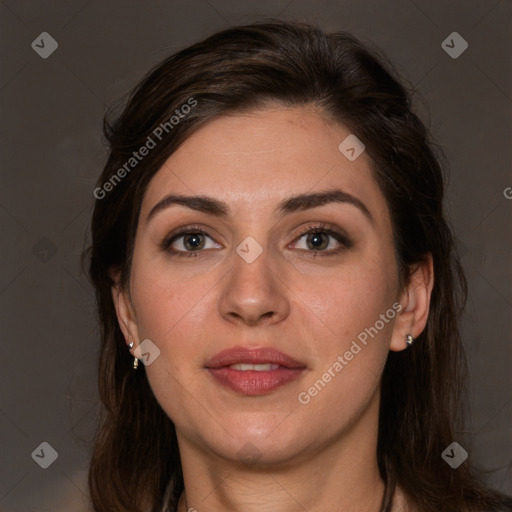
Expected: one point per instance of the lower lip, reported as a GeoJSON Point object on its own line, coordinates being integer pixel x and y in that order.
{"type": "Point", "coordinates": [252, 382]}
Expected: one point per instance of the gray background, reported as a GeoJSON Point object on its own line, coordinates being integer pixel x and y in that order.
{"type": "Point", "coordinates": [52, 151]}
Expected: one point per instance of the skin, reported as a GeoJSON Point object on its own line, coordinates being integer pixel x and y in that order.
{"type": "Point", "coordinates": [319, 456]}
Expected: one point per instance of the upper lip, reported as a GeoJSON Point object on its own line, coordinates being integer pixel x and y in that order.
{"type": "Point", "coordinates": [243, 355]}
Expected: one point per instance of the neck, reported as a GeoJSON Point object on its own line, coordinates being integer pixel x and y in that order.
{"type": "Point", "coordinates": [341, 476]}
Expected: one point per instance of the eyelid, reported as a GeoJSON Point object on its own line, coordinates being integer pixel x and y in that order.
{"type": "Point", "coordinates": [324, 227]}
{"type": "Point", "coordinates": [339, 234]}
{"type": "Point", "coordinates": [181, 231]}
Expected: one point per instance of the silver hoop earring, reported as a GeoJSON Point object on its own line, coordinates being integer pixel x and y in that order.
{"type": "Point", "coordinates": [409, 340]}
{"type": "Point", "coordinates": [135, 359]}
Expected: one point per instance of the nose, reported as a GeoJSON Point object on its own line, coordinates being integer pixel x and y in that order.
{"type": "Point", "coordinates": [254, 293]}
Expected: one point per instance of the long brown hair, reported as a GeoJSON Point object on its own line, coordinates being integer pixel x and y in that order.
{"type": "Point", "coordinates": [136, 465]}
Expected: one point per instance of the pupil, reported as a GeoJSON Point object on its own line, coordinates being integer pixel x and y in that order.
{"type": "Point", "coordinates": [193, 241]}
{"type": "Point", "coordinates": [316, 240]}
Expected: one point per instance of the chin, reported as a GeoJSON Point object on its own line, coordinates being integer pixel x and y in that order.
{"type": "Point", "coordinates": [260, 441]}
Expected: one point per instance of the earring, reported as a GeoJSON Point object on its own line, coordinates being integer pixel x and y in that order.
{"type": "Point", "coordinates": [135, 360]}
{"type": "Point", "coordinates": [409, 339]}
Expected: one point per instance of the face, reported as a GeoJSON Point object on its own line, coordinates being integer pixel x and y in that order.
{"type": "Point", "coordinates": [306, 290]}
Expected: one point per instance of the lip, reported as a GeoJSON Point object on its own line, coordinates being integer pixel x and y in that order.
{"type": "Point", "coordinates": [254, 382]}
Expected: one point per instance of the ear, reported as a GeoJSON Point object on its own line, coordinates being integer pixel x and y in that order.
{"type": "Point", "coordinates": [415, 302]}
{"type": "Point", "coordinates": [124, 310]}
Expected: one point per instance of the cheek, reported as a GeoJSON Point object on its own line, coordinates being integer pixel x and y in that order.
{"type": "Point", "coordinates": [348, 300]}
{"type": "Point", "coordinates": [346, 374]}
{"type": "Point", "coordinates": [170, 308]}
{"type": "Point", "coordinates": [351, 340]}
{"type": "Point", "coordinates": [174, 314]}
{"type": "Point", "coordinates": [175, 311]}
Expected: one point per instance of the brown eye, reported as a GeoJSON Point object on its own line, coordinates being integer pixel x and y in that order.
{"type": "Point", "coordinates": [324, 241]}
{"type": "Point", "coordinates": [193, 241]}
{"type": "Point", "coordinates": [188, 242]}
{"type": "Point", "coordinates": [317, 241]}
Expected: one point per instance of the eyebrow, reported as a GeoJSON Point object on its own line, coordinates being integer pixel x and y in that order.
{"type": "Point", "coordinates": [301, 202]}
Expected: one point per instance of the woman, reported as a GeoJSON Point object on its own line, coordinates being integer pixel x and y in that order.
{"type": "Point", "coordinates": [277, 288]}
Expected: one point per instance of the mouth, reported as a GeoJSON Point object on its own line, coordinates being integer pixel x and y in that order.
{"type": "Point", "coordinates": [254, 371]}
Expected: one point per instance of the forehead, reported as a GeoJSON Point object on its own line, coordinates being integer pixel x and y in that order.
{"type": "Point", "coordinates": [252, 161]}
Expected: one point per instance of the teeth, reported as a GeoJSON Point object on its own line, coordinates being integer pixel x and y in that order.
{"type": "Point", "coordinates": [256, 367]}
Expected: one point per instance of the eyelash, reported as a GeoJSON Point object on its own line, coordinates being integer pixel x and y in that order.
{"type": "Point", "coordinates": [320, 228]}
